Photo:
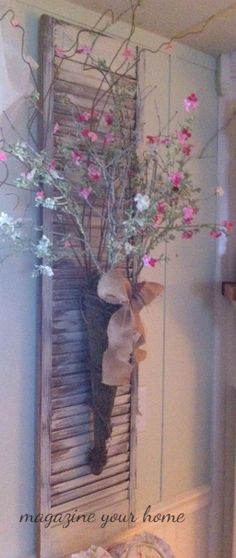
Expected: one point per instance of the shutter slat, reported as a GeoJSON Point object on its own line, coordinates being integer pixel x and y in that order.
{"type": "Point", "coordinates": [84, 471]}
{"type": "Point", "coordinates": [78, 387]}
{"type": "Point", "coordinates": [72, 336]}
{"type": "Point", "coordinates": [90, 480]}
{"type": "Point", "coordinates": [63, 318]}
{"type": "Point", "coordinates": [64, 402]}
{"type": "Point", "coordinates": [68, 348]}
{"type": "Point", "coordinates": [88, 497]}
{"type": "Point", "coordinates": [68, 433]}
{"type": "Point", "coordinates": [67, 464]}
{"type": "Point", "coordinates": [61, 412]}
{"type": "Point", "coordinates": [81, 439]}
{"type": "Point", "coordinates": [83, 506]}
{"type": "Point", "coordinates": [81, 416]}
{"type": "Point", "coordinates": [74, 368]}
{"type": "Point", "coordinates": [69, 358]}
{"type": "Point", "coordinates": [70, 400]}
{"type": "Point", "coordinates": [69, 425]}
{"type": "Point", "coordinates": [69, 380]}
{"type": "Point", "coordinates": [84, 448]}
{"type": "Point", "coordinates": [67, 121]}
{"type": "Point", "coordinates": [71, 421]}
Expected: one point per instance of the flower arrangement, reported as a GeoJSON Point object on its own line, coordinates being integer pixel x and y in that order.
{"type": "Point", "coordinates": [141, 196]}
{"type": "Point", "coordinates": [140, 200]}
{"type": "Point", "coordinates": [134, 194]}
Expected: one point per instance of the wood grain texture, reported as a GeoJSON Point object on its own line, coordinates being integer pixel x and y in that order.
{"type": "Point", "coordinates": [44, 409]}
{"type": "Point", "coordinates": [65, 480]}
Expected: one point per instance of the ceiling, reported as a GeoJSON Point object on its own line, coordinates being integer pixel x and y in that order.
{"type": "Point", "coordinates": [170, 18]}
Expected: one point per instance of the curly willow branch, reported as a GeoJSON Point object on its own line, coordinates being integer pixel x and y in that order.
{"type": "Point", "coordinates": [19, 26]}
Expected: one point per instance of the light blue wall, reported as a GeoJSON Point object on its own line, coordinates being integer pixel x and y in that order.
{"type": "Point", "coordinates": [179, 325]}
{"type": "Point", "coordinates": [174, 448]}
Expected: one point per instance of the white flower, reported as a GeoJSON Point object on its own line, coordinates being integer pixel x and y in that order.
{"type": "Point", "coordinates": [140, 222]}
{"type": "Point", "coordinates": [128, 248]}
{"type": "Point", "coordinates": [42, 249]}
{"type": "Point", "coordinates": [30, 175]}
{"type": "Point", "coordinates": [49, 203]}
{"type": "Point", "coordinates": [25, 179]}
{"type": "Point", "coordinates": [6, 220]}
{"type": "Point", "coordinates": [42, 270]}
{"type": "Point", "coordinates": [142, 202]}
{"type": "Point", "coordinates": [20, 150]}
{"type": "Point", "coordinates": [16, 235]}
{"type": "Point", "coordinates": [220, 191]}
{"type": "Point", "coordinates": [45, 240]}
{"type": "Point", "coordinates": [55, 175]}
{"type": "Point", "coordinates": [47, 270]}
{"type": "Point", "coordinates": [10, 228]}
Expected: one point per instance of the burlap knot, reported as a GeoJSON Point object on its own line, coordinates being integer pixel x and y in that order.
{"type": "Point", "coordinates": [125, 330]}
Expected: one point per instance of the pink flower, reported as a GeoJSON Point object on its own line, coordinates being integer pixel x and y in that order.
{"type": "Point", "coordinates": [215, 233]}
{"type": "Point", "coordinates": [148, 261]}
{"type": "Point", "coordinates": [109, 138]}
{"type": "Point", "coordinates": [59, 52]}
{"type": "Point", "coordinates": [67, 244]}
{"type": "Point", "coordinates": [153, 140]}
{"type": "Point", "coordinates": [188, 213]}
{"type": "Point", "coordinates": [158, 219]}
{"type": "Point", "coordinates": [128, 53]}
{"type": "Point", "coordinates": [15, 22]}
{"type": "Point", "coordinates": [84, 116]}
{"type": "Point", "coordinates": [77, 157]}
{"type": "Point", "coordinates": [30, 175]}
{"type": "Point", "coordinates": [169, 47]}
{"type": "Point", "coordinates": [158, 140]}
{"type": "Point", "coordinates": [187, 149]}
{"type": "Point", "coordinates": [92, 136]}
{"type": "Point", "coordinates": [165, 141]}
{"type": "Point", "coordinates": [183, 135]}
{"type": "Point", "coordinates": [84, 49]}
{"type": "Point", "coordinates": [108, 117]}
{"type": "Point", "coordinates": [52, 165]}
{"type": "Point", "coordinates": [191, 102]}
{"type": "Point", "coordinates": [85, 192]}
{"type": "Point", "coordinates": [56, 128]}
{"type": "Point", "coordinates": [3, 156]}
{"type": "Point", "coordinates": [40, 195]}
{"type": "Point", "coordinates": [228, 225]}
{"type": "Point", "coordinates": [176, 178]}
{"type": "Point", "coordinates": [94, 173]}
{"type": "Point", "coordinates": [162, 206]}
{"type": "Point", "coordinates": [187, 234]}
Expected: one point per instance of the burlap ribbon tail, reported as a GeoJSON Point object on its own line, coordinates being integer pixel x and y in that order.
{"type": "Point", "coordinates": [125, 330]}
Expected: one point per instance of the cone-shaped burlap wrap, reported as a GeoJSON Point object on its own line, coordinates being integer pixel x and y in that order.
{"type": "Point", "coordinates": [115, 334]}
{"type": "Point", "coordinates": [98, 314]}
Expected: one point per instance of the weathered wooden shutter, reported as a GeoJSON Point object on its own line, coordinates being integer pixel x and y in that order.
{"type": "Point", "coordinates": [65, 483]}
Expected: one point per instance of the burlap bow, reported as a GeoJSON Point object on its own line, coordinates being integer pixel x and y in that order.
{"type": "Point", "coordinates": [125, 330]}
